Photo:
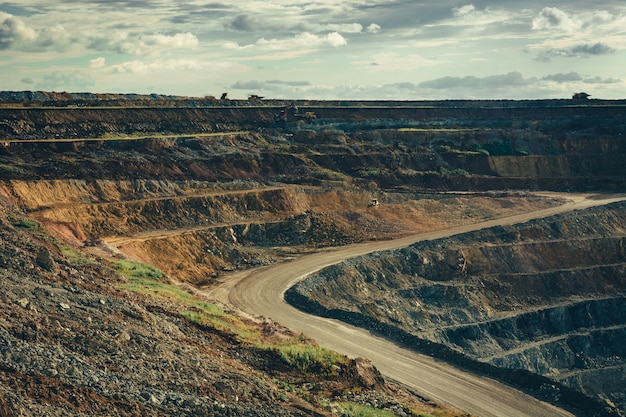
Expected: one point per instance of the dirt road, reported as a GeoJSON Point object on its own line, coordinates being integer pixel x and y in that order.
{"type": "Point", "coordinates": [261, 292]}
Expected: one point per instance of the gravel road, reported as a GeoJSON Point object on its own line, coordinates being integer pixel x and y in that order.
{"type": "Point", "coordinates": [261, 292]}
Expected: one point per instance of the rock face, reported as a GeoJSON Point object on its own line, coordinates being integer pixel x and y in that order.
{"type": "Point", "coordinates": [546, 297]}
{"type": "Point", "coordinates": [453, 145]}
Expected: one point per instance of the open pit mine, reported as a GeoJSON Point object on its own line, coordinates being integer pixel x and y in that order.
{"type": "Point", "coordinates": [485, 236]}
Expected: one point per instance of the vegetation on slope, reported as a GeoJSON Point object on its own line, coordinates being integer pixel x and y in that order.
{"type": "Point", "coordinates": [132, 343]}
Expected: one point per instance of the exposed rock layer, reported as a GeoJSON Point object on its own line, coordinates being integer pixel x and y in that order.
{"type": "Point", "coordinates": [546, 296]}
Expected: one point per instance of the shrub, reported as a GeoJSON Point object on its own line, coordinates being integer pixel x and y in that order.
{"type": "Point", "coordinates": [26, 224]}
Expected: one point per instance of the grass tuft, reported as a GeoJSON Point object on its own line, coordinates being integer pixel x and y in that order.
{"type": "Point", "coordinates": [349, 409]}
{"type": "Point", "coordinates": [26, 224]}
{"type": "Point", "coordinates": [146, 279]}
{"type": "Point", "coordinates": [296, 352]}
{"type": "Point", "coordinates": [306, 357]}
{"type": "Point", "coordinates": [133, 270]}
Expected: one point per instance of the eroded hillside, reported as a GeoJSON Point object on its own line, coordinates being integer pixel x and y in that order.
{"type": "Point", "coordinates": [94, 191]}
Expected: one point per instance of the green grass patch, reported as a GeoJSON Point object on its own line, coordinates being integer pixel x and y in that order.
{"type": "Point", "coordinates": [306, 357]}
{"type": "Point", "coordinates": [73, 255]}
{"type": "Point", "coordinates": [328, 174]}
{"type": "Point", "coordinates": [26, 224]}
{"type": "Point", "coordinates": [373, 172]}
{"type": "Point", "coordinates": [296, 352]}
{"type": "Point", "coordinates": [146, 279]}
{"type": "Point", "coordinates": [448, 149]}
{"type": "Point", "coordinates": [133, 269]}
{"type": "Point", "coordinates": [349, 409]}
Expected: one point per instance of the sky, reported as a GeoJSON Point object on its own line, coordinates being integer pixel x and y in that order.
{"type": "Point", "coordinates": [306, 49]}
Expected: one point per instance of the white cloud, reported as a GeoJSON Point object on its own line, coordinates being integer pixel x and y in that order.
{"type": "Point", "coordinates": [474, 19]}
{"type": "Point", "coordinates": [298, 42]}
{"type": "Point", "coordinates": [373, 28]}
{"type": "Point", "coordinates": [97, 62]}
{"type": "Point", "coordinates": [551, 18]}
{"type": "Point", "coordinates": [16, 34]}
{"type": "Point", "coordinates": [14, 31]}
{"type": "Point", "coordinates": [511, 79]}
{"type": "Point", "coordinates": [58, 80]}
{"type": "Point", "coordinates": [158, 43]}
{"type": "Point", "coordinates": [211, 43]}
{"type": "Point", "coordinates": [580, 25]}
{"type": "Point", "coordinates": [177, 41]}
{"type": "Point", "coordinates": [140, 67]}
{"type": "Point", "coordinates": [464, 10]}
{"type": "Point", "coordinates": [344, 27]}
{"type": "Point", "coordinates": [303, 40]}
{"type": "Point", "coordinates": [335, 39]}
{"type": "Point", "coordinates": [133, 67]}
{"type": "Point", "coordinates": [55, 37]}
{"type": "Point", "coordinates": [236, 46]}
{"type": "Point", "coordinates": [577, 35]}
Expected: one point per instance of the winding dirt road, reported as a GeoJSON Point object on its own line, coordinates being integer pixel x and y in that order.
{"type": "Point", "coordinates": [261, 292]}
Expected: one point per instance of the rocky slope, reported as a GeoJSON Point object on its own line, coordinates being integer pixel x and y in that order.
{"type": "Point", "coordinates": [82, 336]}
{"type": "Point", "coordinates": [546, 297]}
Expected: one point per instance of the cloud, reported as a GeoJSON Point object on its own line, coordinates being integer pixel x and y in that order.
{"type": "Point", "coordinates": [554, 19]}
{"type": "Point", "coordinates": [268, 84]}
{"type": "Point", "coordinates": [574, 77]}
{"type": "Point", "coordinates": [600, 80]}
{"type": "Point", "coordinates": [473, 20]}
{"type": "Point", "coordinates": [343, 27]}
{"type": "Point", "coordinates": [563, 78]}
{"type": "Point", "coordinates": [14, 31]}
{"type": "Point", "coordinates": [140, 67]}
{"type": "Point", "coordinates": [511, 79]}
{"type": "Point", "coordinates": [289, 83]}
{"type": "Point", "coordinates": [373, 28]}
{"type": "Point", "coordinates": [177, 41]}
{"type": "Point", "coordinates": [301, 41]}
{"type": "Point", "coordinates": [66, 81]}
{"type": "Point", "coordinates": [152, 44]}
{"type": "Point", "coordinates": [576, 51]}
{"type": "Point", "coordinates": [97, 62]}
{"type": "Point", "coordinates": [17, 34]}
{"type": "Point", "coordinates": [463, 10]}
{"type": "Point", "coordinates": [157, 43]}
{"type": "Point", "coordinates": [598, 48]}
{"type": "Point", "coordinates": [27, 81]}
{"type": "Point", "coordinates": [245, 23]}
